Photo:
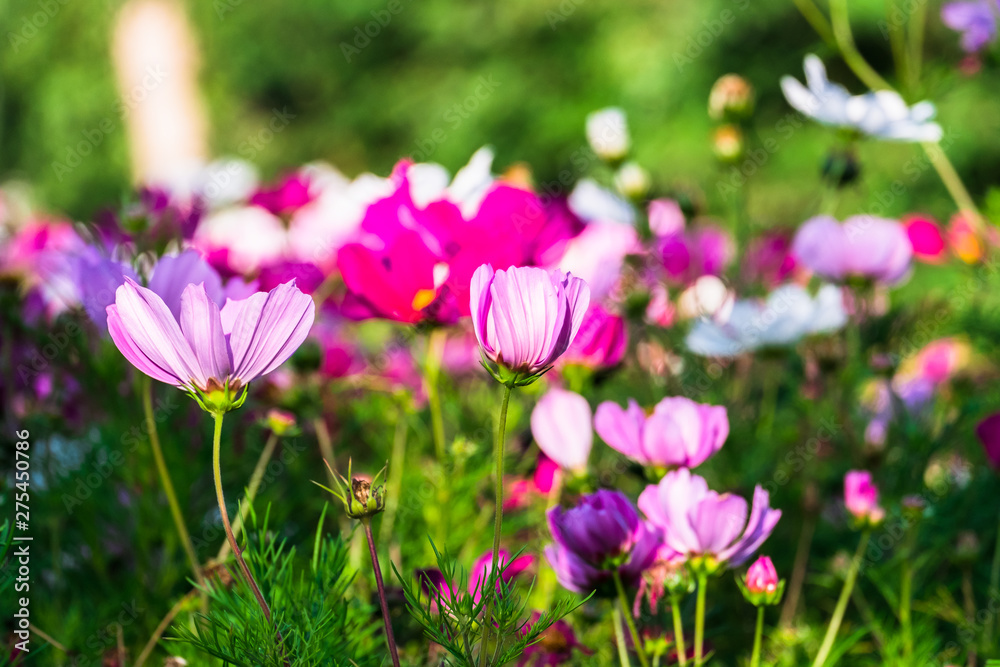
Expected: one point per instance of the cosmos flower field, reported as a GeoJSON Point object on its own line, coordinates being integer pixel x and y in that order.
{"type": "Point", "coordinates": [431, 418]}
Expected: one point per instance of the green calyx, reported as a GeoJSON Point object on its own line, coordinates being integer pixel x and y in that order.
{"type": "Point", "coordinates": [219, 401]}
{"type": "Point", "coordinates": [510, 377]}
{"type": "Point", "coordinates": [761, 598]}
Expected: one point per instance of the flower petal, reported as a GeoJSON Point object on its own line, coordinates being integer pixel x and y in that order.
{"type": "Point", "coordinates": [268, 328]}
{"type": "Point", "coordinates": [201, 324]}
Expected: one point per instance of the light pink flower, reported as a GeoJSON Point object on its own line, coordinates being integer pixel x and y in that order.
{"type": "Point", "coordinates": [561, 425]}
{"type": "Point", "coordinates": [680, 432]}
{"type": "Point", "coordinates": [863, 246]}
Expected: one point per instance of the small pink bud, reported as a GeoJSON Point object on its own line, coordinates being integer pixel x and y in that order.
{"type": "Point", "coordinates": [762, 577]}
{"type": "Point", "coordinates": [861, 497]}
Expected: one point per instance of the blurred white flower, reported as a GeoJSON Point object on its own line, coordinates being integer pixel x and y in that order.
{"type": "Point", "coordinates": [787, 315]}
{"type": "Point", "coordinates": [593, 203]}
{"type": "Point", "coordinates": [881, 113]}
{"type": "Point", "coordinates": [707, 297]}
{"type": "Point", "coordinates": [607, 133]}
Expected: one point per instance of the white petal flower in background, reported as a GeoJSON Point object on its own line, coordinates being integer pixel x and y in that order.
{"type": "Point", "coordinates": [607, 133]}
{"type": "Point", "coordinates": [882, 113]}
{"type": "Point", "coordinates": [787, 315]}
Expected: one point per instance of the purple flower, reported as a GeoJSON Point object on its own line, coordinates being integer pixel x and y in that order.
{"type": "Point", "coordinates": [976, 20]}
{"type": "Point", "coordinates": [206, 350]}
{"type": "Point", "coordinates": [699, 523]}
{"type": "Point", "coordinates": [863, 246]}
{"type": "Point", "coordinates": [690, 254]}
{"type": "Point", "coordinates": [988, 432]}
{"type": "Point", "coordinates": [526, 317]}
{"type": "Point", "coordinates": [561, 425]}
{"type": "Point", "coordinates": [861, 497]}
{"type": "Point", "coordinates": [601, 534]}
{"type": "Point", "coordinates": [680, 432]}
{"type": "Point", "coordinates": [601, 341]}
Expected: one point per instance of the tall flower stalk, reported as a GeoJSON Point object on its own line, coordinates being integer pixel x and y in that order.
{"type": "Point", "coordinates": [699, 619]}
{"type": "Point", "coordinates": [623, 604]}
{"type": "Point", "coordinates": [389, 636]}
{"type": "Point", "coordinates": [168, 485]}
{"type": "Point", "coordinates": [845, 597]}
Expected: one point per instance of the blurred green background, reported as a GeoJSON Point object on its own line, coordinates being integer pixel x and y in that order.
{"type": "Point", "coordinates": [552, 61]}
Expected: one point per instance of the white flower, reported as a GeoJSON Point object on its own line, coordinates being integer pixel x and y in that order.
{"type": "Point", "coordinates": [707, 297]}
{"type": "Point", "coordinates": [595, 204]}
{"type": "Point", "coordinates": [881, 113]}
{"type": "Point", "coordinates": [607, 133]}
{"type": "Point", "coordinates": [788, 315]}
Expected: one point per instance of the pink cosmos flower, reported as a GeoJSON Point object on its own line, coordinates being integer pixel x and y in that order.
{"type": "Point", "coordinates": [988, 432]}
{"type": "Point", "coordinates": [560, 424]}
{"type": "Point", "coordinates": [769, 259]}
{"type": "Point", "coordinates": [975, 19]}
{"type": "Point", "coordinates": [762, 577]}
{"type": "Point", "coordinates": [206, 349]}
{"type": "Point", "coordinates": [525, 318]}
{"type": "Point", "coordinates": [689, 254]}
{"type": "Point", "coordinates": [601, 341]}
{"type": "Point", "coordinates": [697, 522]}
{"type": "Point", "coordinates": [679, 432]}
{"type": "Point", "coordinates": [863, 246]}
{"type": "Point", "coordinates": [861, 497]}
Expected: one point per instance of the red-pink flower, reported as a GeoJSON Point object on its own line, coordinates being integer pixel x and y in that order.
{"type": "Point", "coordinates": [926, 238]}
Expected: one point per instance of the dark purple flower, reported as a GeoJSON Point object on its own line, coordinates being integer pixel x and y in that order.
{"type": "Point", "coordinates": [601, 534]}
{"type": "Point", "coordinates": [988, 432]}
{"type": "Point", "coordinates": [555, 647]}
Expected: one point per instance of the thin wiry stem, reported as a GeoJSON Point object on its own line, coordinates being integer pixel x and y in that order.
{"type": "Point", "coordinates": [389, 637]}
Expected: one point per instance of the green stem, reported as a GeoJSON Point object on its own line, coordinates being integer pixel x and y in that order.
{"type": "Point", "coordinates": [994, 589]}
{"type": "Point", "coordinates": [395, 484]}
{"type": "Point", "coordinates": [168, 485]}
{"type": "Point", "coordinates": [217, 472]}
{"type": "Point", "coordinates": [616, 616]}
{"type": "Point", "coordinates": [758, 633]}
{"type": "Point", "coordinates": [845, 42]}
{"type": "Point", "coordinates": [623, 605]}
{"type": "Point", "coordinates": [389, 637]}
{"type": "Point", "coordinates": [255, 480]}
{"type": "Point", "coordinates": [498, 450]}
{"type": "Point", "coordinates": [953, 183]}
{"type": "Point", "coordinates": [675, 611]}
{"type": "Point", "coordinates": [915, 44]}
{"type": "Point", "coordinates": [815, 17]}
{"type": "Point", "coordinates": [435, 350]}
{"type": "Point", "coordinates": [905, 603]}
{"type": "Point", "coordinates": [845, 596]}
{"type": "Point", "coordinates": [897, 40]}
{"type": "Point", "coordinates": [699, 620]}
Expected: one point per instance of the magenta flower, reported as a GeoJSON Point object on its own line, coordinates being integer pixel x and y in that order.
{"type": "Point", "coordinates": [291, 194]}
{"type": "Point", "coordinates": [510, 569]}
{"type": "Point", "coordinates": [768, 259]}
{"type": "Point", "coordinates": [679, 432]}
{"type": "Point", "coordinates": [988, 432]}
{"type": "Point", "coordinates": [209, 352]}
{"type": "Point", "coordinates": [705, 525]}
{"type": "Point", "coordinates": [555, 647]}
{"type": "Point", "coordinates": [861, 497]}
{"type": "Point", "coordinates": [525, 318]}
{"type": "Point", "coordinates": [864, 246]}
{"type": "Point", "coordinates": [690, 254]}
{"type": "Point", "coordinates": [762, 577]}
{"type": "Point", "coordinates": [561, 426]}
{"type": "Point", "coordinates": [601, 534]}
{"type": "Point", "coordinates": [601, 341]}
{"type": "Point", "coordinates": [926, 238]}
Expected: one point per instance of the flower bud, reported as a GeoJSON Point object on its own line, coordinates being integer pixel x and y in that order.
{"type": "Point", "coordinates": [731, 96]}
{"type": "Point", "coordinates": [967, 548]}
{"type": "Point", "coordinates": [761, 585]}
{"type": "Point", "coordinates": [281, 423]}
{"type": "Point", "coordinates": [728, 143]}
{"type": "Point", "coordinates": [841, 167]}
{"type": "Point", "coordinates": [363, 498]}
{"type": "Point", "coordinates": [632, 180]}
{"type": "Point", "coordinates": [607, 134]}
